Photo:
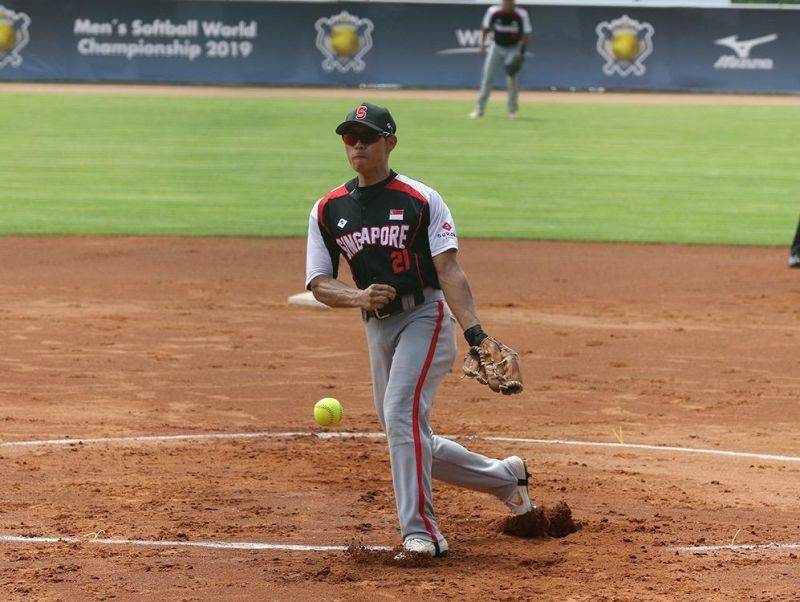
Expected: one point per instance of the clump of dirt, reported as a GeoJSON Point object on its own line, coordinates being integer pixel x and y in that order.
{"type": "Point", "coordinates": [561, 521]}
{"type": "Point", "coordinates": [398, 557]}
{"type": "Point", "coordinates": [540, 522]}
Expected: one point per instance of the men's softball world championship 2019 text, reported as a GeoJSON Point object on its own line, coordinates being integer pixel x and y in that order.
{"type": "Point", "coordinates": [129, 39]}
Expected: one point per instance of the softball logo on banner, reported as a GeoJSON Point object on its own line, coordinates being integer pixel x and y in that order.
{"type": "Point", "coordinates": [624, 43]}
{"type": "Point", "coordinates": [343, 40]}
{"type": "Point", "coordinates": [13, 36]}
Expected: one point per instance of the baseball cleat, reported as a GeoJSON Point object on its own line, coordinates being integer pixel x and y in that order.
{"type": "Point", "coordinates": [794, 261]}
{"type": "Point", "coordinates": [512, 115]}
{"type": "Point", "coordinates": [475, 114]}
{"type": "Point", "coordinates": [423, 546]}
{"type": "Point", "coordinates": [520, 502]}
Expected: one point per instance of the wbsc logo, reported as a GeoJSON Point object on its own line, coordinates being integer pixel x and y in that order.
{"type": "Point", "coordinates": [344, 39]}
{"type": "Point", "coordinates": [13, 36]}
{"type": "Point", "coordinates": [468, 41]}
{"type": "Point", "coordinates": [742, 60]}
{"type": "Point", "coordinates": [624, 43]}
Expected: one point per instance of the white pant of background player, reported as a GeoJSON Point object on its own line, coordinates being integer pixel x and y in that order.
{"type": "Point", "coordinates": [496, 60]}
{"type": "Point", "coordinates": [410, 353]}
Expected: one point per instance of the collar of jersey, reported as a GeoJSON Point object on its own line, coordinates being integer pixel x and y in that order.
{"type": "Point", "coordinates": [360, 191]}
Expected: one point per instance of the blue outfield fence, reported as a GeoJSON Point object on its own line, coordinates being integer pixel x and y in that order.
{"type": "Point", "coordinates": [394, 44]}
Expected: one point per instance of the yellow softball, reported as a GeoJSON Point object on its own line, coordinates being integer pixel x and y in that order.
{"type": "Point", "coordinates": [344, 41]}
{"type": "Point", "coordinates": [625, 45]}
{"type": "Point", "coordinates": [328, 411]}
{"type": "Point", "coordinates": [8, 36]}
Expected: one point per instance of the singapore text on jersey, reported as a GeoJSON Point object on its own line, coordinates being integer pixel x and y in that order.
{"type": "Point", "coordinates": [384, 236]}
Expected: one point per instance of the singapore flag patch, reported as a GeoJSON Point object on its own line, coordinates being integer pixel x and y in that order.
{"type": "Point", "coordinates": [396, 215]}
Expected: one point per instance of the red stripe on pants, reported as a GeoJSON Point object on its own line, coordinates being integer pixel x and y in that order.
{"type": "Point", "coordinates": [417, 395]}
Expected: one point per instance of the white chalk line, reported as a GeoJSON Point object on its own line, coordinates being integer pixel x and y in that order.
{"type": "Point", "coordinates": [158, 438]}
{"type": "Point", "coordinates": [767, 547]}
{"type": "Point", "coordinates": [286, 547]}
{"type": "Point", "coordinates": [226, 545]}
{"type": "Point", "coordinates": [740, 547]}
{"type": "Point", "coordinates": [367, 435]}
{"type": "Point", "coordinates": [669, 448]}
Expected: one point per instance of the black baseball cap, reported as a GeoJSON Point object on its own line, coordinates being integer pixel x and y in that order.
{"type": "Point", "coordinates": [370, 115]}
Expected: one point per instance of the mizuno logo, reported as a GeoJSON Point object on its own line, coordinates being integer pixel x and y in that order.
{"type": "Point", "coordinates": [742, 48]}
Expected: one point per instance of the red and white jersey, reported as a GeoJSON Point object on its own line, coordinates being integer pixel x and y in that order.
{"type": "Point", "coordinates": [388, 233]}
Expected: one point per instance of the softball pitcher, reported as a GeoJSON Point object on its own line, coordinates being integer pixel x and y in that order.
{"type": "Point", "coordinates": [400, 241]}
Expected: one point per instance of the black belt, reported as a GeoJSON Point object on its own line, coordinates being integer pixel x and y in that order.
{"type": "Point", "coordinates": [397, 306]}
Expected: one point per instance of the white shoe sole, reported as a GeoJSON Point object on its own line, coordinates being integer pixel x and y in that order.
{"type": "Point", "coordinates": [520, 502]}
{"type": "Point", "coordinates": [420, 546]}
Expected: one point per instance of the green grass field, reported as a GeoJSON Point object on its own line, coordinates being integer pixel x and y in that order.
{"type": "Point", "coordinates": [84, 164]}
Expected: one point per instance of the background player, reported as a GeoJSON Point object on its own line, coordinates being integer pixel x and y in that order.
{"type": "Point", "coordinates": [794, 252]}
{"type": "Point", "coordinates": [511, 29]}
{"type": "Point", "coordinates": [400, 241]}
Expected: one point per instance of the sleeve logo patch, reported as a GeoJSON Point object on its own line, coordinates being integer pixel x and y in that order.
{"type": "Point", "coordinates": [448, 234]}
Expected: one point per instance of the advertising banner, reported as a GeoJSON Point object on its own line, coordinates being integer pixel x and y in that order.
{"type": "Point", "coordinates": [394, 44]}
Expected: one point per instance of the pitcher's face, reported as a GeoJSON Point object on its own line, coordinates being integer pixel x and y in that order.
{"type": "Point", "coordinates": [366, 149]}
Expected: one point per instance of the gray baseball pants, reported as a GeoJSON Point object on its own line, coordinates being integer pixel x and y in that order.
{"type": "Point", "coordinates": [496, 60]}
{"type": "Point", "coordinates": [410, 353]}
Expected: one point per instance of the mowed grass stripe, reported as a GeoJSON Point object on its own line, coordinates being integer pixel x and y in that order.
{"type": "Point", "coordinates": [84, 164]}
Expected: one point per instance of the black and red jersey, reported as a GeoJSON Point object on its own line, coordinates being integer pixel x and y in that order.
{"type": "Point", "coordinates": [388, 233]}
{"type": "Point", "coordinates": [507, 27]}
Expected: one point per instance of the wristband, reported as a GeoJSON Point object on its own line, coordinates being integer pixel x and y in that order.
{"type": "Point", "coordinates": [475, 335]}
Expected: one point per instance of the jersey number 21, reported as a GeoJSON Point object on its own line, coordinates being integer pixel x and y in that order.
{"type": "Point", "coordinates": [400, 261]}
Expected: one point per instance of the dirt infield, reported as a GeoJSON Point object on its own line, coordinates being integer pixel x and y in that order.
{"type": "Point", "coordinates": [691, 347]}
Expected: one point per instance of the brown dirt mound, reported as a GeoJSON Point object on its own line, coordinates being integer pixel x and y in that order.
{"type": "Point", "coordinates": [168, 336]}
{"type": "Point", "coordinates": [540, 522]}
